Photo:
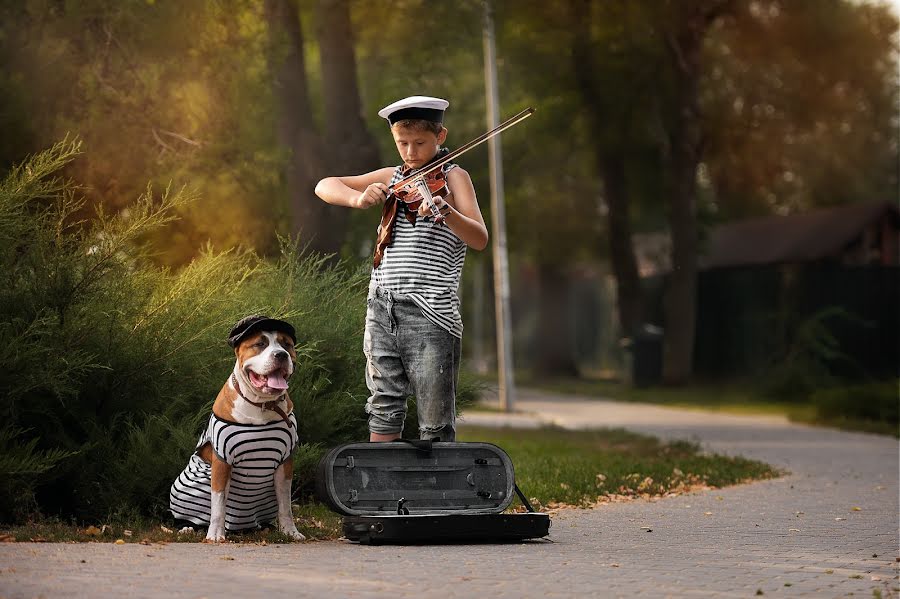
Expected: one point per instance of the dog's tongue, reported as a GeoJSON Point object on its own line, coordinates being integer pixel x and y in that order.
{"type": "Point", "coordinates": [276, 381]}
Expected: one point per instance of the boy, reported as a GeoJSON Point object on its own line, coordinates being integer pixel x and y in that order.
{"type": "Point", "coordinates": [413, 324]}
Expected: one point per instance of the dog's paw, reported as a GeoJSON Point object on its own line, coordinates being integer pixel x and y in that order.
{"type": "Point", "coordinates": [295, 534]}
{"type": "Point", "coordinates": [214, 537]}
{"type": "Point", "coordinates": [288, 528]}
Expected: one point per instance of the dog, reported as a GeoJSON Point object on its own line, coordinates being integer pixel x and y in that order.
{"type": "Point", "coordinates": [240, 473]}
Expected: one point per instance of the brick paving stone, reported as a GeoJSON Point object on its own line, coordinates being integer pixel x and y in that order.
{"type": "Point", "coordinates": [745, 545]}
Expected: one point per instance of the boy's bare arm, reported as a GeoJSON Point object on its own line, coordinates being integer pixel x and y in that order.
{"type": "Point", "coordinates": [356, 191]}
{"type": "Point", "coordinates": [464, 217]}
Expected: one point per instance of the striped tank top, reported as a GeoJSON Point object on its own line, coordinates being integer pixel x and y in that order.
{"type": "Point", "coordinates": [254, 451]}
{"type": "Point", "coordinates": [424, 263]}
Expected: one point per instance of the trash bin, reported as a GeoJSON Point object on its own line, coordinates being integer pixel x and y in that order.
{"type": "Point", "coordinates": [646, 349]}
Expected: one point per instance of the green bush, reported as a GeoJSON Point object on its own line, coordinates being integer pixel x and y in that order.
{"type": "Point", "coordinates": [112, 363]}
{"type": "Point", "coordinates": [872, 402]}
{"type": "Point", "coordinates": [812, 356]}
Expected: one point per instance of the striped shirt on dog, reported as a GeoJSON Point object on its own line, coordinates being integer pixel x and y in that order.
{"type": "Point", "coordinates": [425, 263]}
{"type": "Point", "coordinates": [254, 451]}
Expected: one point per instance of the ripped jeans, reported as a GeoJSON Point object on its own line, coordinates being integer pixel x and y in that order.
{"type": "Point", "coordinates": [408, 354]}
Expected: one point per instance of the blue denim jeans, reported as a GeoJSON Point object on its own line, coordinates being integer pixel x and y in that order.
{"type": "Point", "coordinates": [408, 354]}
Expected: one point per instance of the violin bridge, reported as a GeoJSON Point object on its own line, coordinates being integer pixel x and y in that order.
{"type": "Point", "coordinates": [428, 198]}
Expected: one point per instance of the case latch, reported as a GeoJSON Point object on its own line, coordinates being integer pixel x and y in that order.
{"type": "Point", "coordinates": [402, 511]}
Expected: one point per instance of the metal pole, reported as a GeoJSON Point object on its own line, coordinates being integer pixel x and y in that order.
{"type": "Point", "coordinates": [506, 389]}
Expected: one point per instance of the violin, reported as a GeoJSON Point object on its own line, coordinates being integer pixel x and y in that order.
{"type": "Point", "coordinates": [425, 184]}
{"type": "Point", "coordinates": [423, 188]}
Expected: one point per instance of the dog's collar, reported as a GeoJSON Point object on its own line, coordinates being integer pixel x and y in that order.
{"type": "Point", "coordinates": [266, 405]}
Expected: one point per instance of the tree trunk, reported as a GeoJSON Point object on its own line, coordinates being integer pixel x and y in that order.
{"type": "Point", "coordinates": [685, 46]}
{"type": "Point", "coordinates": [297, 131]}
{"type": "Point", "coordinates": [618, 223]}
{"type": "Point", "coordinates": [351, 149]}
{"type": "Point", "coordinates": [611, 168]}
{"type": "Point", "coordinates": [554, 344]}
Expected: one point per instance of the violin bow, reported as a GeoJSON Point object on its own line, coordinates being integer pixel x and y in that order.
{"type": "Point", "coordinates": [514, 120]}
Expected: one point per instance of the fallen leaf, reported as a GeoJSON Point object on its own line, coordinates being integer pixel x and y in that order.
{"type": "Point", "coordinates": [93, 531]}
{"type": "Point", "coordinates": [227, 557]}
{"type": "Point", "coordinates": [719, 498]}
{"type": "Point", "coordinates": [876, 578]}
{"type": "Point", "coordinates": [614, 565]}
{"type": "Point", "coordinates": [7, 539]}
{"type": "Point", "coordinates": [857, 509]}
{"type": "Point", "coordinates": [707, 513]}
{"type": "Point", "coordinates": [146, 542]}
{"type": "Point", "coordinates": [120, 541]}
{"type": "Point", "coordinates": [793, 530]}
{"type": "Point", "coordinates": [829, 571]}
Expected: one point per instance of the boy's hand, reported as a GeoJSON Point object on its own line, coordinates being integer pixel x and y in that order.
{"type": "Point", "coordinates": [376, 193]}
{"type": "Point", "coordinates": [424, 210]}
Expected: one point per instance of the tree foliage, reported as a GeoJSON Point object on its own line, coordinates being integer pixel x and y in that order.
{"type": "Point", "coordinates": [795, 107]}
{"type": "Point", "coordinates": [112, 363]}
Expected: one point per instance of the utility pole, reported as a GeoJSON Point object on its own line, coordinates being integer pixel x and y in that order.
{"type": "Point", "coordinates": [506, 389]}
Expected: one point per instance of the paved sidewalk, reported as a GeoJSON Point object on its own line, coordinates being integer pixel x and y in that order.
{"type": "Point", "coordinates": [829, 529]}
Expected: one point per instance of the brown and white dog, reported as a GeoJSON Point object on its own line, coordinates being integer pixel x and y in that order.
{"type": "Point", "coordinates": [253, 401]}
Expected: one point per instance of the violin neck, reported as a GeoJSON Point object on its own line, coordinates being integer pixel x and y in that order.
{"type": "Point", "coordinates": [468, 146]}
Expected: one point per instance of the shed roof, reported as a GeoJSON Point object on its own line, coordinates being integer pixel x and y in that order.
{"type": "Point", "coordinates": [806, 237]}
{"type": "Point", "coordinates": [816, 235]}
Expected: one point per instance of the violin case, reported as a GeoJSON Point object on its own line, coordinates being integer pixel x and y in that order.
{"type": "Point", "coordinates": [417, 492]}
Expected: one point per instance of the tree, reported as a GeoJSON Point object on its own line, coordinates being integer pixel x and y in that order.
{"type": "Point", "coordinates": [683, 27]}
{"type": "Point", "coordinates": [174, 90]}
{"type": "Point", "coordinates": [342, 145]}
{"type": "Point", "coordinates": [800, 107]}
{"type": "Point", "coordinates": [297, 133]}
{"type": "Point", "coordinates": [608, 43]}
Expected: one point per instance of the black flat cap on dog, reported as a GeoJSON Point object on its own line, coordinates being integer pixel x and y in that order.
{"type": "Point", "coordinates": [257, 322]}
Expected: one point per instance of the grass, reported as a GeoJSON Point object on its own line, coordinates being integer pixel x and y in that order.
{"type": "Point", "coordinates": [579, 468]}
{"type": "Point", "coordinates": [555, 468]}
{"type": "Point", "coordinates": [314, 520]}
{"type": "Point", "coordinates": [738, 399]}
{"type": "Point", "coordinates": [728, 398]}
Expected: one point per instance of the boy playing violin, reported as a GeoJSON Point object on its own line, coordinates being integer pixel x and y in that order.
{"type": "Point", "coordinates": [413, 324]}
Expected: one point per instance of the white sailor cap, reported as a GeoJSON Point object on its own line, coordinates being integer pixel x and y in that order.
{"type": "Point", "coordinates": [415, 107]}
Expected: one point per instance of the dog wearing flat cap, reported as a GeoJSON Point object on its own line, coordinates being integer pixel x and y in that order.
{"type": "Point", "coordinates": [239, 476]}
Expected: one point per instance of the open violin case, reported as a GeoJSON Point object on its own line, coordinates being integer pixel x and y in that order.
{"type": "Point", "coordinates": [408, 492]}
